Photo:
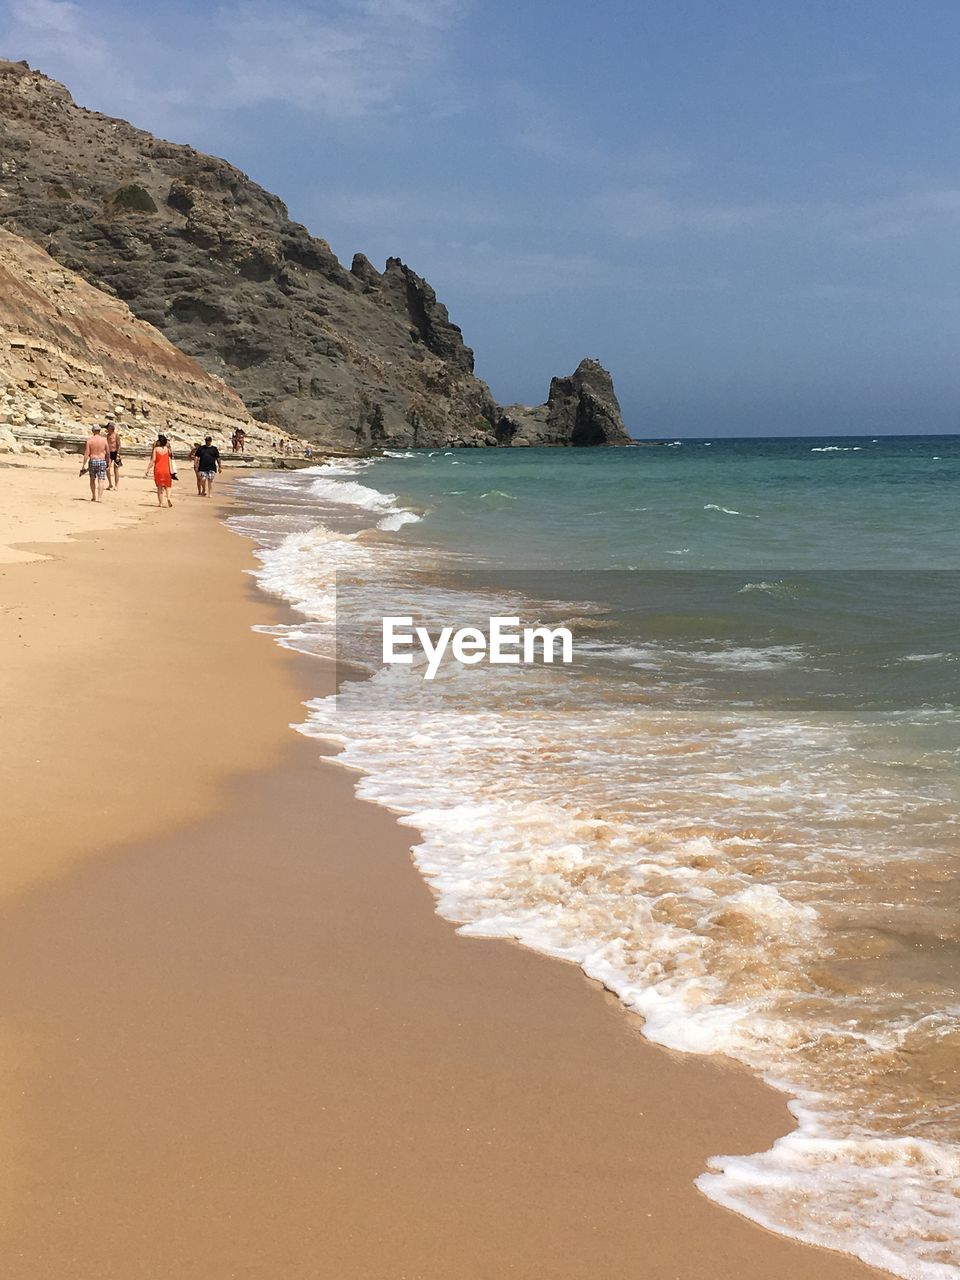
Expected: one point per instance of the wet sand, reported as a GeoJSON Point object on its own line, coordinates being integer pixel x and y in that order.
{"type": "Point", "coordinates": [235, 1039]}
{"type": "Point", "coordinates": [46, 501]}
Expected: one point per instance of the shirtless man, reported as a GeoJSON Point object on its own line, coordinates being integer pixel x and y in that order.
{"type": "Point", "coordinates": [96, 459]}
{"type": "Point", "coordinates": [113, 444]}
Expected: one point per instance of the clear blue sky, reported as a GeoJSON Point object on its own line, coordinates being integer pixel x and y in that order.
{"type": "Point", "coordinates": [749, 210]}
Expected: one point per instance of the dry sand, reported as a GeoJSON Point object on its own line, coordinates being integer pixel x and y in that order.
{"type": "Point", "coordinates": [235, 1039]}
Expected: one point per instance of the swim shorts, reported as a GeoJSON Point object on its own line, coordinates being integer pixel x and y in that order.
{"type": "Point", "coordinates": [98, 467]}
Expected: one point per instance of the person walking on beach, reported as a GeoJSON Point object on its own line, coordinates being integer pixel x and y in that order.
{"type": "Point", "coordinates": [162, 466]}
{"type": "Point", "coordinates": [195, 459]}
{"type": "Point", "coordinates": [95, 461]}
{"type": "Point", "coordinates": [113, 445]}
{"type": "Point", "coordinates": [208, 466]}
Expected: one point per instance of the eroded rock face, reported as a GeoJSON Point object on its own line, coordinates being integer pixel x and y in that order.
{"type": "Point", "coordinates": [71, 341]}
{"type": "Point", "coordinates": [581, 409]}
{"type": "Point", "coordinates": [70, 353]}
{"type": "Point", "coordinates": [194, 247]}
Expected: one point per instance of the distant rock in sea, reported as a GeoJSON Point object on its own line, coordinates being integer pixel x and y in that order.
{"type": "Point", "coordinates": [581, 410]}
{"type": "Point", "coordinates": [350, 359]}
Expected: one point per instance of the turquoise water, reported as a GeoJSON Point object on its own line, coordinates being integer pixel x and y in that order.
{"type": "Point", "coordinates": [852, 502]}
{"type": "Point", "coordinates": [739, 807]}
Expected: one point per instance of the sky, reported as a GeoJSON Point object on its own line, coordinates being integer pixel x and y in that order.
{"type": "Point", "coordinates": [748, 210]}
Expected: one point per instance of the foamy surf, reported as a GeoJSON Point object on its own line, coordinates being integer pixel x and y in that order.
{"type": "Point", "coordinates": [740, 877]}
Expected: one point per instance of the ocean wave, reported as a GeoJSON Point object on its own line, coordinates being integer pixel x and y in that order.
{"type": "Point", "coordinates": [397, 519]}
{"type": "Point", "coordinates": [752, 658]}
{"type": "Point", "coordinates": [846, 1186]}
{"type": "Point", "coordinates": [775, 588]}
{"type": "Point", "coordinates": [729, 657]}
{"type": "Point", "coordinates": [351, 493]}
{"type": "Point", "coordinates": [333, 484]}
{"type": "Point", "coordinates": [728, 511]}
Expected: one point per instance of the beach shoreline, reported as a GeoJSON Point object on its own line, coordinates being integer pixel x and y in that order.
{"type": "Point", "coordinates": [235, 1036]}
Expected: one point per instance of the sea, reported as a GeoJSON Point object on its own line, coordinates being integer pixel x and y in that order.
{"type": "Point", "coordinates": [738, 807]}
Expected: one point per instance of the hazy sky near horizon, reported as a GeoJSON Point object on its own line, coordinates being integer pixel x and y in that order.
{"type": "Point", "coordinates": [749, 210]}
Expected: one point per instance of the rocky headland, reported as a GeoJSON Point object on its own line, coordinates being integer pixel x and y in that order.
{"type": "Point", "coordinates": [352, 359]}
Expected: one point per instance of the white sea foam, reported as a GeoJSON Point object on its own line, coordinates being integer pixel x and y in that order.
{"type": "Point", "coordinates": [753, 658]}
{"type": "Point", "coordinates": [820, 1190]}
{"type": "Point", "coordinates": [777, 587]}
{"type": "Point", "coordinates": [728, 511]}
{"type": "Point", "coordinates": [674, 923]}
{"type": "Point", "coordinates": [728, 657]}
{"type": "Point", "coordinates": [351, 493]}
{"type": "Point", "coordinates": [397, 519]}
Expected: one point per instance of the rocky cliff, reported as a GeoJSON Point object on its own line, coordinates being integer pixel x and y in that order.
{"type": "Point", "coordinates": [69, 353]}
{"type": "Point", "coordinates": [194, 247]}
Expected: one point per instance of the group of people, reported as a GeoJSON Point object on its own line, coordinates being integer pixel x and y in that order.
{"type": "Point", "coordinates": [102, 462]}
{"type": "Point", "coordinates": [239, 440]}
{"type": "Point", "coordinates": [101, 456]}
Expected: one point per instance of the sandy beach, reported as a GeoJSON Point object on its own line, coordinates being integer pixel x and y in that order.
{"type": "Point", "coordinates": [235, 1039]}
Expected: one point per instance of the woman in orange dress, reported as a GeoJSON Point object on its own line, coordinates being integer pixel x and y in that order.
{"type": "Point", "coordinates": [161, 464]}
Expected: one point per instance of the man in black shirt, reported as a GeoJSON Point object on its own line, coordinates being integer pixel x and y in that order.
{"type": "Point", "coordinates": [208, 466]}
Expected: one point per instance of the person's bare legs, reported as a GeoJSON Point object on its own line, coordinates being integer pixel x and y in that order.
{"type": "Point", "coordinates": [100, 479]}
{"type": "Point", "coordinates": [159, 496]}
{"type": "Point", "coordinates": [116, 475]}
{"type": "Point", "coordinates": [93, 486]}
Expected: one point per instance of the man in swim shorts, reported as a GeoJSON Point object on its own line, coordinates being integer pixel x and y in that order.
{"type": "Point", "coordinates": [113, 445]}
{"type": "Point", "coordinates": [96, 459]}
{"type": "Point", "coordinates": [208, 466]}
